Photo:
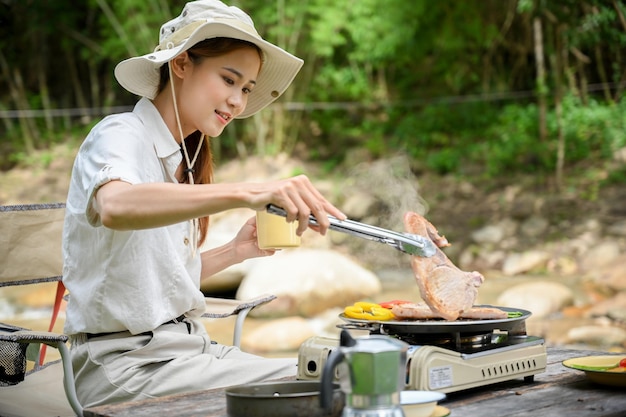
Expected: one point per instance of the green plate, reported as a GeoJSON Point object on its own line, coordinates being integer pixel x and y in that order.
{"type": "Point", "coordinates": [599, 369]}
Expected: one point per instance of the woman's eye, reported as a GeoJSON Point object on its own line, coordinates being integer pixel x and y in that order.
{"type": "Point", "coordinates": [246, 90]}
{"type": "Point", "coordinates": [229, 81]}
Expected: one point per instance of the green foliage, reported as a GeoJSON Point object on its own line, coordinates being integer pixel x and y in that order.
{"type": "Point", "coordinates": [512, 144]}
{"type": "Point", "coordinates": [615, 176]}
{"type": "Point", "coordinates": [130, 28]}
{"type": "Point", "coordinates": [385, 75]}
{"type": "Point", "coordinates": [593, 132]}
{"type": "Point", "coordinates": [443, 134]}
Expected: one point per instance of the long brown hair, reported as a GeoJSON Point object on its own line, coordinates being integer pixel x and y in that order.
{"type": "Point", "coordinates": [203, 168]}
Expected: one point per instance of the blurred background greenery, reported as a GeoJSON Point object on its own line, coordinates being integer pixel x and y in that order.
{"type": "Point", "coordinates": [474, 87]}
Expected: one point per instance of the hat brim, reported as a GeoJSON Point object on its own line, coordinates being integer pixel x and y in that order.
{"type": "Point", "coordinates": [140, 75]}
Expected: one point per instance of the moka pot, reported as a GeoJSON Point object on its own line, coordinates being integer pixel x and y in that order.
{"type": "Point", "coordinates": [372, 378]}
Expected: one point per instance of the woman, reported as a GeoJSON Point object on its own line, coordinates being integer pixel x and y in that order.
{"type": "Point", "coordinates": [138, 207]}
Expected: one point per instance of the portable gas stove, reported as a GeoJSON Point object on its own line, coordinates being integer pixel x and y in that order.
{"type": "Point", "coordinates": [446, 356]}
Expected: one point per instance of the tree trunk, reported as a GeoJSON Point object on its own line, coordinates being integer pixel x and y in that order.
{"type": "Point", "coordinates": [620, 84]}
{"type": "Point", "coordinates": [45, 98]}
{"type": "Point", "coordinates": [79, 96]}
{"type": "Point", "coordinates": [606, 89]}
{"type": "Point", "coordinates": [558, 98]}
{"type": "Point", "coordinates": [260, 127]}
{"type": "Point", "coordinates": [31, 134]}
{"type": "Point", "coordinates": [581, 61]}
{"type": "Point", "coordinates": [15, 96]}
{"type": "Point", "coordinates": [541, 78]}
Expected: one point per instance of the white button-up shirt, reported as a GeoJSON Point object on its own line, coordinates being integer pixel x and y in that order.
{"type": "Point", "coordinates": [126, 280]}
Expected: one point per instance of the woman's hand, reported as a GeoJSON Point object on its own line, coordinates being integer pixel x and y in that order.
{"type": "Point", "coordinates": [299, 198]}
{"type": "Point", "coordinates": [243, 246]}
{"type": "Point", "coordinates": [245, 243]}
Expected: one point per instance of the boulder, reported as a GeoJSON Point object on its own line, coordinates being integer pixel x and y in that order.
{"type": "Point", "coordinates": [599, 335]}
{"type": "Point", "coordinates": [614, 307]}
{"type": "Point", "coordinates": [517, 263]}
{"type": "Point", "coordinates": [307, 282]}
{"type": "Point", "coordinates": [280, 335]}
{"type": "Point", "coordinates": [495, 233]}
{"type": "Point", "coordinates": [600, 255]}
{"type": "Point", "coordinates": [534, 226]}
{"type": "Point", "coordinates": [223, 228]}
{"type": "Point", "coordinates": [541, 298]}
{"type": "Point", "coordinates": [611, 276]}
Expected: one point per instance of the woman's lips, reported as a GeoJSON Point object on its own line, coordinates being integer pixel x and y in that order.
{"type": "Point", "coordinates": [224, 117]}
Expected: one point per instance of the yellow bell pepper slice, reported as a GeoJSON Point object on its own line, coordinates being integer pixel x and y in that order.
{"type": "Point", "coordinates": [368, 311]}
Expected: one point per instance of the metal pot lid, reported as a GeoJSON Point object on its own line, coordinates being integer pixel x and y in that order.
{"type": "Point", "coordinates": [282, 399]}
{"type": "Point", "coordinates": [276, 389]}
{"type": "Point", "coordinates": [394, 327]}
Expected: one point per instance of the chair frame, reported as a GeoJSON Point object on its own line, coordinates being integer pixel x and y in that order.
{"type": "Point", "coordinates": [216, 307]}
{"type": "Point", "coordinates": [58, 341]}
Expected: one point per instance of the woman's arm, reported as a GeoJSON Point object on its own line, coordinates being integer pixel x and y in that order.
{"type": "Point", "coordinates": [124, 206]}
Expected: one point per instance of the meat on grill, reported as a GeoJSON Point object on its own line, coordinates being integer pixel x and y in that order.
{"type": "Point", "coordinates": [446, 289]}
{"type": "Point", "coordinates": [421, 311]}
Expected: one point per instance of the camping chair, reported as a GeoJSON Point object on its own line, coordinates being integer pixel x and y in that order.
{"type": "Point", "coordinates": [30, 253]}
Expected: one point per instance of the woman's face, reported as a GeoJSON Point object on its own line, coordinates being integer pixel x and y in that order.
{"type": "Point", "coordinates": [216, 91]}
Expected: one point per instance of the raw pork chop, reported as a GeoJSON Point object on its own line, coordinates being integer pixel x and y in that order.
{"type": "Point", "coordinates": [446, 289]}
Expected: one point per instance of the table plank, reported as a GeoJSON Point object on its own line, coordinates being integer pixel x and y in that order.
{"type": "Point", "coordinates": [194, 404]}
{"type": "Point", "coordinates": [559, 391]}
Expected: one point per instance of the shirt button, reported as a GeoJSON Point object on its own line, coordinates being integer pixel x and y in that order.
{"type": "Point", "coordinates": [186, 240]}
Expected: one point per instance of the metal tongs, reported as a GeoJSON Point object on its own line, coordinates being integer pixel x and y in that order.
{"type": "Point", "coordinates": [412, 244]}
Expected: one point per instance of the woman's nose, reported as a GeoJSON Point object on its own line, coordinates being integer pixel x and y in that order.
{"type": "Point", "coordinates": [237, 101]}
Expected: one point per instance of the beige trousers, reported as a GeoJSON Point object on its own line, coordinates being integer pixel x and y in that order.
{"type": "Point", "coordinates": [175, 358]}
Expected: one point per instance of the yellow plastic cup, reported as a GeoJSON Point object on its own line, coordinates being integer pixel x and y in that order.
{"type": "Point", "coordinates": [273, 232]}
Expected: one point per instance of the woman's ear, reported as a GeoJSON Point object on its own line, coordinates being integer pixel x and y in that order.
{"type": "Point", "coordinates": [180, 64]}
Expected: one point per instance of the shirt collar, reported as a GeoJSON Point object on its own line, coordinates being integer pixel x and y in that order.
{"type": "Point", "coordinates": [164, 143]}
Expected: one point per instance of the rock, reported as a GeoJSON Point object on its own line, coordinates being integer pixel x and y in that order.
{"type": "Point", "coordinates": [562, 265]}
{"type": "Point", "coordinates": [473, 258]}
{"type": "Point", "coordinates": [612, 275]}
{"type": "Point", "coordinates": [256, 168]}
{"type": "Point", "coordinates": [307, 282]}
{"type": "Point", "coordinates": [466, 189]}
{"type": "Point", "coordinates": [488, 234]}
{"type": "Point", "coordinates": [620, 155]}
{"type": "Point", "coordinates": [517, 263]}
{"type": "Point", "coordinates": [225, 280]}
{"type": "Point", "coordinates": [617, 228]}
{"type": "Point", "coordinates": [534, 226]}
{"type": "Point", "coordinates": [541, 298]}
{"type": "Point", "coordinates": [600, 335]}
{"type": "Point", "coordinates": [325, 324]}
{"type": "Point", "coordinates": [600, 254]}
{"type": "Point", "coordinates": [222, 229]}
{"type": "Point", "coordinates": [359, 204]}
{"type": "Point", "coordinates": [495, 233]}
{"type": "Point", "coordinates": [467, 258]}
{"type": "Point", "coordinates": [522, 205]}
{"type": "Point", "coordinates": [614, 307]}
{"type": "Point", "coordinates": [355, 156]}
{"type": "Point", "coordinates": [392, 184]}
{"type": "Point", "coordinates": [279, 335]}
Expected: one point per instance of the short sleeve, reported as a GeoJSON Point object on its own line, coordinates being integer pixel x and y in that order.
{"type": "Point", "coordinates": [114, 150]}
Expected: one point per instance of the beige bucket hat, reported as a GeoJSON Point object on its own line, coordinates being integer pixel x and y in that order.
{"type": "Point", "coordinates": [205, 19]}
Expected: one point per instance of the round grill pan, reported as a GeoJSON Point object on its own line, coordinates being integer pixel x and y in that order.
{"type": "Point", "coordinates": [440, 325]}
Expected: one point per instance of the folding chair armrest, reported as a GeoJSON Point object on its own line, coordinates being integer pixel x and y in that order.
{"type": "Point", "coordinates": [57, 341]}
{"type": "Point", "coordinates": [222, 307]}
{"type": "Point", "coordinates": [32, 336]}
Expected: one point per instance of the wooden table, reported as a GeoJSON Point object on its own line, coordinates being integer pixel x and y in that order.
{"type": "Point", "coordinates": [557, 392]}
